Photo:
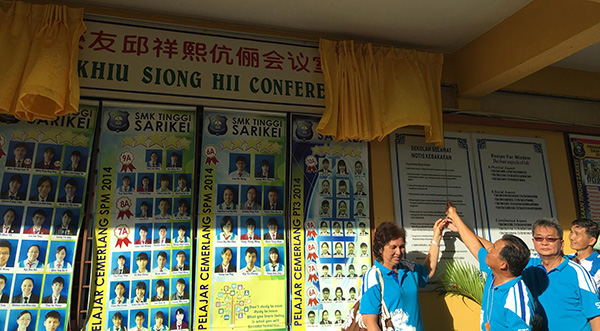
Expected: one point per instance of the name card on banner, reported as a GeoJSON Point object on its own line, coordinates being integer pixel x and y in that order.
{"type": "Point", "coordinates": [141, 277]}
{"type": "Point", "coordinates": [330, 234]}
{"type": "Point", "coordinates": [44, 167]}
{"type": "Point", "coordinates": [242, 279]}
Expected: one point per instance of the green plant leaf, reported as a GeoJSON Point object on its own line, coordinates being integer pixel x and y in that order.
{"type": "Point", "coordinates": [462, 279]}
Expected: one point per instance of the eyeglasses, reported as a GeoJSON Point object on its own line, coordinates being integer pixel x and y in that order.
{"type": "Point", "coordinates": [548, 239]}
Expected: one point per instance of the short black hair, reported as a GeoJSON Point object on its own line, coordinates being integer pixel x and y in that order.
{"type": "Point", "coordinates": [591, 227]}
{"type": "Point", "coordinates": [159, 314]}
{"type": "Point", "coordinates": [515, 253]}
{"type": "Point", "coordinates": [240, 158]}
{"type": "Point", "coordinates": [44, 179]}
{"type": "Point", "coordinates": [251, 221]}
{"type": "Point", "coordinates": [264, 162]}
{"type": "Point", "coordinates": [160, 283]}
{"type": "Point", "coordinates": [76, 153]}
{"type": "Point", "coordinates": [144, 228]}
{"type": "Point", "coordinates": [144, 203]}
{"type": "Point", "coordinates": [71, 181]}
{"type": "Point", "coordinates": [141, 286]}
{"type": "Point", "coordinates": [272, 221]}
{"type": "Point", "coordinates": [3, 278]}
{"type": "Point", "coordinates": [251, 250]}
{"type": "Point", "coordinates": [68, 212]}
{"type": "Point", "coordinates": [58, 280]}
{"type": "Point", "coordinates": [182, 202]}
{"type": "Point", "coordinates": [311, 313]}
{"type": "Point", "coordinates": [142, 256]}
{"type": "Point", "coordinates": [16, 178]}
{"type": "Point", "coordinates": [20, 144]}
{"type": "Point", "coordinates": [162, 253]}
{"type": "Point", "coordinates": [52, 314]}
{"type": "Point", "coordinates": [141, 313]}
{"type": "Point", "coordinates": [7, 244]}
{"type": "Point", "coordinates": [61, 248]}
{"type": "Point", "coordinates": [550, 223]}
{"type": "Point", "coordinates": [181, 253]}
{"type": "Point", "coordinates": [180, 281]}
{"type": "Point", "coordinates": [164, 177]}
{"type": "Point", "coordinates": [117, 315]}
{"type": "Point", "coordinates": [273, 189]}
{"type": "Point", "coordinates": [39, 212]}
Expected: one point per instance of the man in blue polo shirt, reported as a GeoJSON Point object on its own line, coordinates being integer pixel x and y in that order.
{"type": "Point", "coordinates": [583, 236]}
{"type": "Point", "coordinates": [567, 298]}
{"type": "Point", "coordinates": [507, 304]}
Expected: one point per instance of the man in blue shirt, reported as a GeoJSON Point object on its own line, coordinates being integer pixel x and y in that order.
{"type": "Point", "coordinates": [507, 304]}
{"type": "Point", "coordinates": [583, 236]}
{"type": "Point", "coordinates": [566, 294]}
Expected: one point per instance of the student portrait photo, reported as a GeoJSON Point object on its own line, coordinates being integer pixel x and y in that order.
{"type": "Point", "coordinates": [48, 157]}
{"type": "Point", "coordinates": [273, 232]}
{"type": "Point", "coordinates": [183, 186]}
{"type": "Point", "coordinates": [21, 320]}
{"type": "Point", "coordinates": [162, 233]}
{"type": "Point", "coordinates": [252, 194]}
{"type": "Point", "coordinates": [73, 190]}
{"type": "Point", "coordinates": [239, 166]}
{"type": "Point", "coordinates": [11, 219]}
{"type": "Point", "coordinates": [325, 168]}
{"type": "Point", "coordinates": [350, 249]}
{"type": "Point", "coordinates": [358, 168]}
{"type": "Point", "coordinates": [145, 183]}
{"type": "Point", "coordinates": [362, 229]}
{"type": "Point", "coordinates": [163, 208]}
{"type": "Point", "coordinates": [228, 228]}
{"type": "Point", "coordinates": [77, 159]}
{"type": "Point", "coordinates": [142, 237]}
{"type": "Point", "coordinates": [120, 293]}
{"type": "Point", "coordinates": [4, 282]}
{"type": "Point", "coordinates": [119, 321]}
{"type": "Point", "coordinates": [7, 247]}
{"type": "Point", "coordinates": [36, 223]}
{"type": "Point", "coordinates": [55, 295]}
{"type": "Point", "coordinates": [349, 228]}
{"type": "Point", "coordinates": [181, 238]}
{"type": "Point", "coordinates": [250, 224]}
{"type": "Point", "coordinates": [164, 184]}
{"type": "Point", "coordinates": [325, 188]}
{"type": "Point", "coordinates": [311, 318]}
{"type": "Point", "coordinates": [141, 260]}
{"type": "Point", "coordinates": [264, 167]}
{"type": "Point", "coordinates": [228, 258]}
{"type": "Point", "coordinates": [66, 222]}
{"type": "Point", "coordinates": [153, 159]}
{"type": "Point", "coordinates": [341, 168]}
{"type": "Point", "coordinates": [181, 263]}
{"type": "Point", "coordinates": [229, 198]}
{"type": "Point", "coordinates": [122, 267]}
{"type": "Point", "coordinates": [140, 322]}
{"type": "Point", "coordinates": [139, 294]}
{"type": "Point", "coordinates": [183, 207]}
{"type": "Point", "coordinates": [63, 255]}
{"type": "Point", "coordinates": [26, 289]}
{"type": "Point", "coordinates": [34, 256]}
{"type": "Point", "coordinates": [161, 263]}
{"type": "Point", "coordinates": [325, 295]}
{"type": "Point", "coordinates": [160, 291]}
{"type": "Point", "coordinates": [273, 200]}
{"type": "Point", "coordinates": [180, 292]}
{"type": "Point", "coordinates": [126, 183]}
{"type": "Point", "coordinates": [175, 160]}
{"type": "Point", "coordinates": [352, 292]}
{"type": "Point", "coordinates": [337, 229]}
{"type": "Point", "coordinates": [324, 228]}
{"type": "Point", "coordinates": [342, 209]}
{"type": "Point", "coordinates": [339, 272]}
{"type": "Point", "coordinates": [338, 249]}
{"type": "Point", "coordinates": [273, 264]}
{"type": "Point", "coordinates": [325, 210]}
{"type": "Point", "coordinates": [180, 321]}
{"type": "Point", "coordinates": [325, 273]}
{"type": "Point", "coordinates": [364, 249]}
{"type": "Point", "coordinates": [325, 314]}
{"type": "Point", "coordinates": [21, 155]}
{"type": "Point", "coordinates": [352, 272]}
{"type": "Point", "coordinates": [338, 317]}
{"type": "Point", "coordinates": [44, 190]}
{"type": "Point", "coordinates": [325, 249]}
{"type": "Point", "coordinates": [360, 189]}
{"type": "Point", "coordinates": [14, 186]}
{"type": "Point", "coordinates": [342, 188]}
{"type": "Point", "coordinates": [143, 207]}
{"type": "Point", "coordinates": [159, 319]}
{"type": "Point", "coordinates": [250, 256]}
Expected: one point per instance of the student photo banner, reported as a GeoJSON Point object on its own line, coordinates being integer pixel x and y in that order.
{"type": "Point", "coordinates": [241, 269]}
{"type": "Point", "coordinates": [143, 219]}
{"type": "Point", "coordinates": [44, 167]}
{"type": "Point", "coordinates": [330, 231]}
{"type": "Point", "coordinates": [585, 153]}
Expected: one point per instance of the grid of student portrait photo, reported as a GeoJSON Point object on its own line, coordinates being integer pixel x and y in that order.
{"type": "Point", "coordinates": [340, 217]}
{"type": "Point", "coordinates": [149, 282]}
{"type": "Point", "coordinates": [249, 219]}
{"type": "Point", "coordinates": [42, 191]}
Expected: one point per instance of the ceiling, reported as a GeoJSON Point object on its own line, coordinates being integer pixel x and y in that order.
{"type": "Point", "coordinates": [462, 27]}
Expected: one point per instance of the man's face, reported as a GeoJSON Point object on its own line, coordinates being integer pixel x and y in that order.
{"type": "Point", "coordinates": [358, 167]}
{"type": "Point", "coordinates": [338, 315]}
{"type": "Point", "coordinates": [325, 295]}
{"type": "Point", "coordinates": [2, 284]}
{"type": "Point", "coordinates": [27, 287]}
{"type": "Point", "coordinates": [20, 152]}
{"type": "Point", "coordinates": [180, 287]}
{"type": "Point", "coordinates": [174, 158]}
{"type": "Point", "coordinates": [13, 186]}
{"type": "Point", "coordinates": [143, 234]}
{"type": "Point", "coordinates": [359, 187]}
{"type": "Point", "coordinates": [144, 208]}
{"type": "Point", "coordinates": [160, 290]}
{"type": "Point", "coordinates": [48, 155]}
{"type": "Point", "coordinates": [163, 206]}
{"type": "Point", "coordinates": [38, 220]}
{"type": "Point", "coordinates": [164, 184]}
{"type": "Point", "coordinates": [325, 186]}
{"type": "Point", "coordinates": [362, 228]}
{"type": "Point", "coordinates": [182, 182]}
{"type": "Point", "coordinates": [240, 165]}
{"type": "Point", "coordinates": [70, 189]}
{"type": "Point", "coordinates": [126, 182]}
{"type": "Point", "coordinates": [182, 209]}
{"type": "Point", "coordinates": [550, 244]}
{"type": "Point", "coordinates": [141, 263]}
{"type": "Point", "coordinates": [75, 159]}
{"type": "Point", "coordinates": [51, 324]}
{"type": "Point", "coordinates": [325, 272]}
{"type": "Point", "coordinates": [343, 188]}
{"type": "Point", "coordinates": [181, 233]}
{"type": "Point", "coordinates": [121, 262]}
{"type": "Point", "coordinates": [325, 165]}
{"type": "Point", "coordinates": [273, 197]}
{"type": "Point", "coordinates": [325, 208]}
{"type": "Point", "coordinates": [250, 259]}
{"type": "Point", "coordinates": [350, 248]}
{"type": "Point", "coordinates": [273, 227]}
{"type": "Point", "coordinates": [363, 270]}
{"type": "Point", "coordinates": [180, 259]}
{"type": "Point", "coordinates": [57, 287]}
{"type": "Point", "coordinates": [579, 239]}
{"type": "Point", "coordinates": [139, 320]}
{"type": "Point", "coordinates": [226, 256]}
{"type": "Point", "coordinates": [9, 217]}
{"type": "Point", "coordinates": [66, 220]}
{"type": "Point", "coordinates": [311, 318]}
{"type": "Point", "coordinates": [351, 271]}
{"type": "Point", "coordinates": [24, 320]}
{"type": "Point", "coordinates": [161, 261]}
{"type": "Point", "coordinates": [363, 249]}
{"type": "Point", "coordinates": [251, 195]}
{"type": "Point", "coordinates": [359, 208]}
{"type": "Point", "coordinates": [32, 253]}
{"type": "Point", "coordinates": [325, 315]}
{"type": "Point", "coordinates": [60, 254]}
{"type": "Point", "coordinates": [265, 168]}
{"type": "Point", "coordinates": [153, 157]}
{"type": "Point", "coordinates": [493, 259]}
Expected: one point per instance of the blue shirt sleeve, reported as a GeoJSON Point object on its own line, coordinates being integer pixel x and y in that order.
{"type": "Point", "coordinates": [422, 274]}
{"type": "Point", "coordinates": [589, 302]}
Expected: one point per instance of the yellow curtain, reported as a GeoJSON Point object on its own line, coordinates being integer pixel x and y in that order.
{"type": "Point", "coordinates": [39, 47]}
{"type": "Point", "coordinates": [370, 91]}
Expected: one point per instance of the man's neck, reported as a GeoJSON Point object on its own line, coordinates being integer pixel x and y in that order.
{"type": "Point", "coordinates": [584, 253]}
{"type": "Point", "coordinates": [502, 277]}
{"type": "Point", "coordinates": [552, 261]}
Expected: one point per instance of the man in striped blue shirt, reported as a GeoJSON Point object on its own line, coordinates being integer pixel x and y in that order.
{"type": "Point", "coordinates": [507, 304]}
{"type": "Point", "coordinates": [582, 238]}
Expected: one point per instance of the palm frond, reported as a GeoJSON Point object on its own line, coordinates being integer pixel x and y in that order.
{"type": "Point", "coordinates": [461, 278]}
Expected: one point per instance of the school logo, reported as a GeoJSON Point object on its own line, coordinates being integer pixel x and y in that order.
{"type": "Point", "coordinates": [118, 121]}
{"type": "Point", "coordinates": [217, 125]}
{"type": "Point", "coordinates": [304, 130]}
{"type": "Point", "coordinates": [578, 149]}
{"type": "Point", "coordinates": [8, 119]}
